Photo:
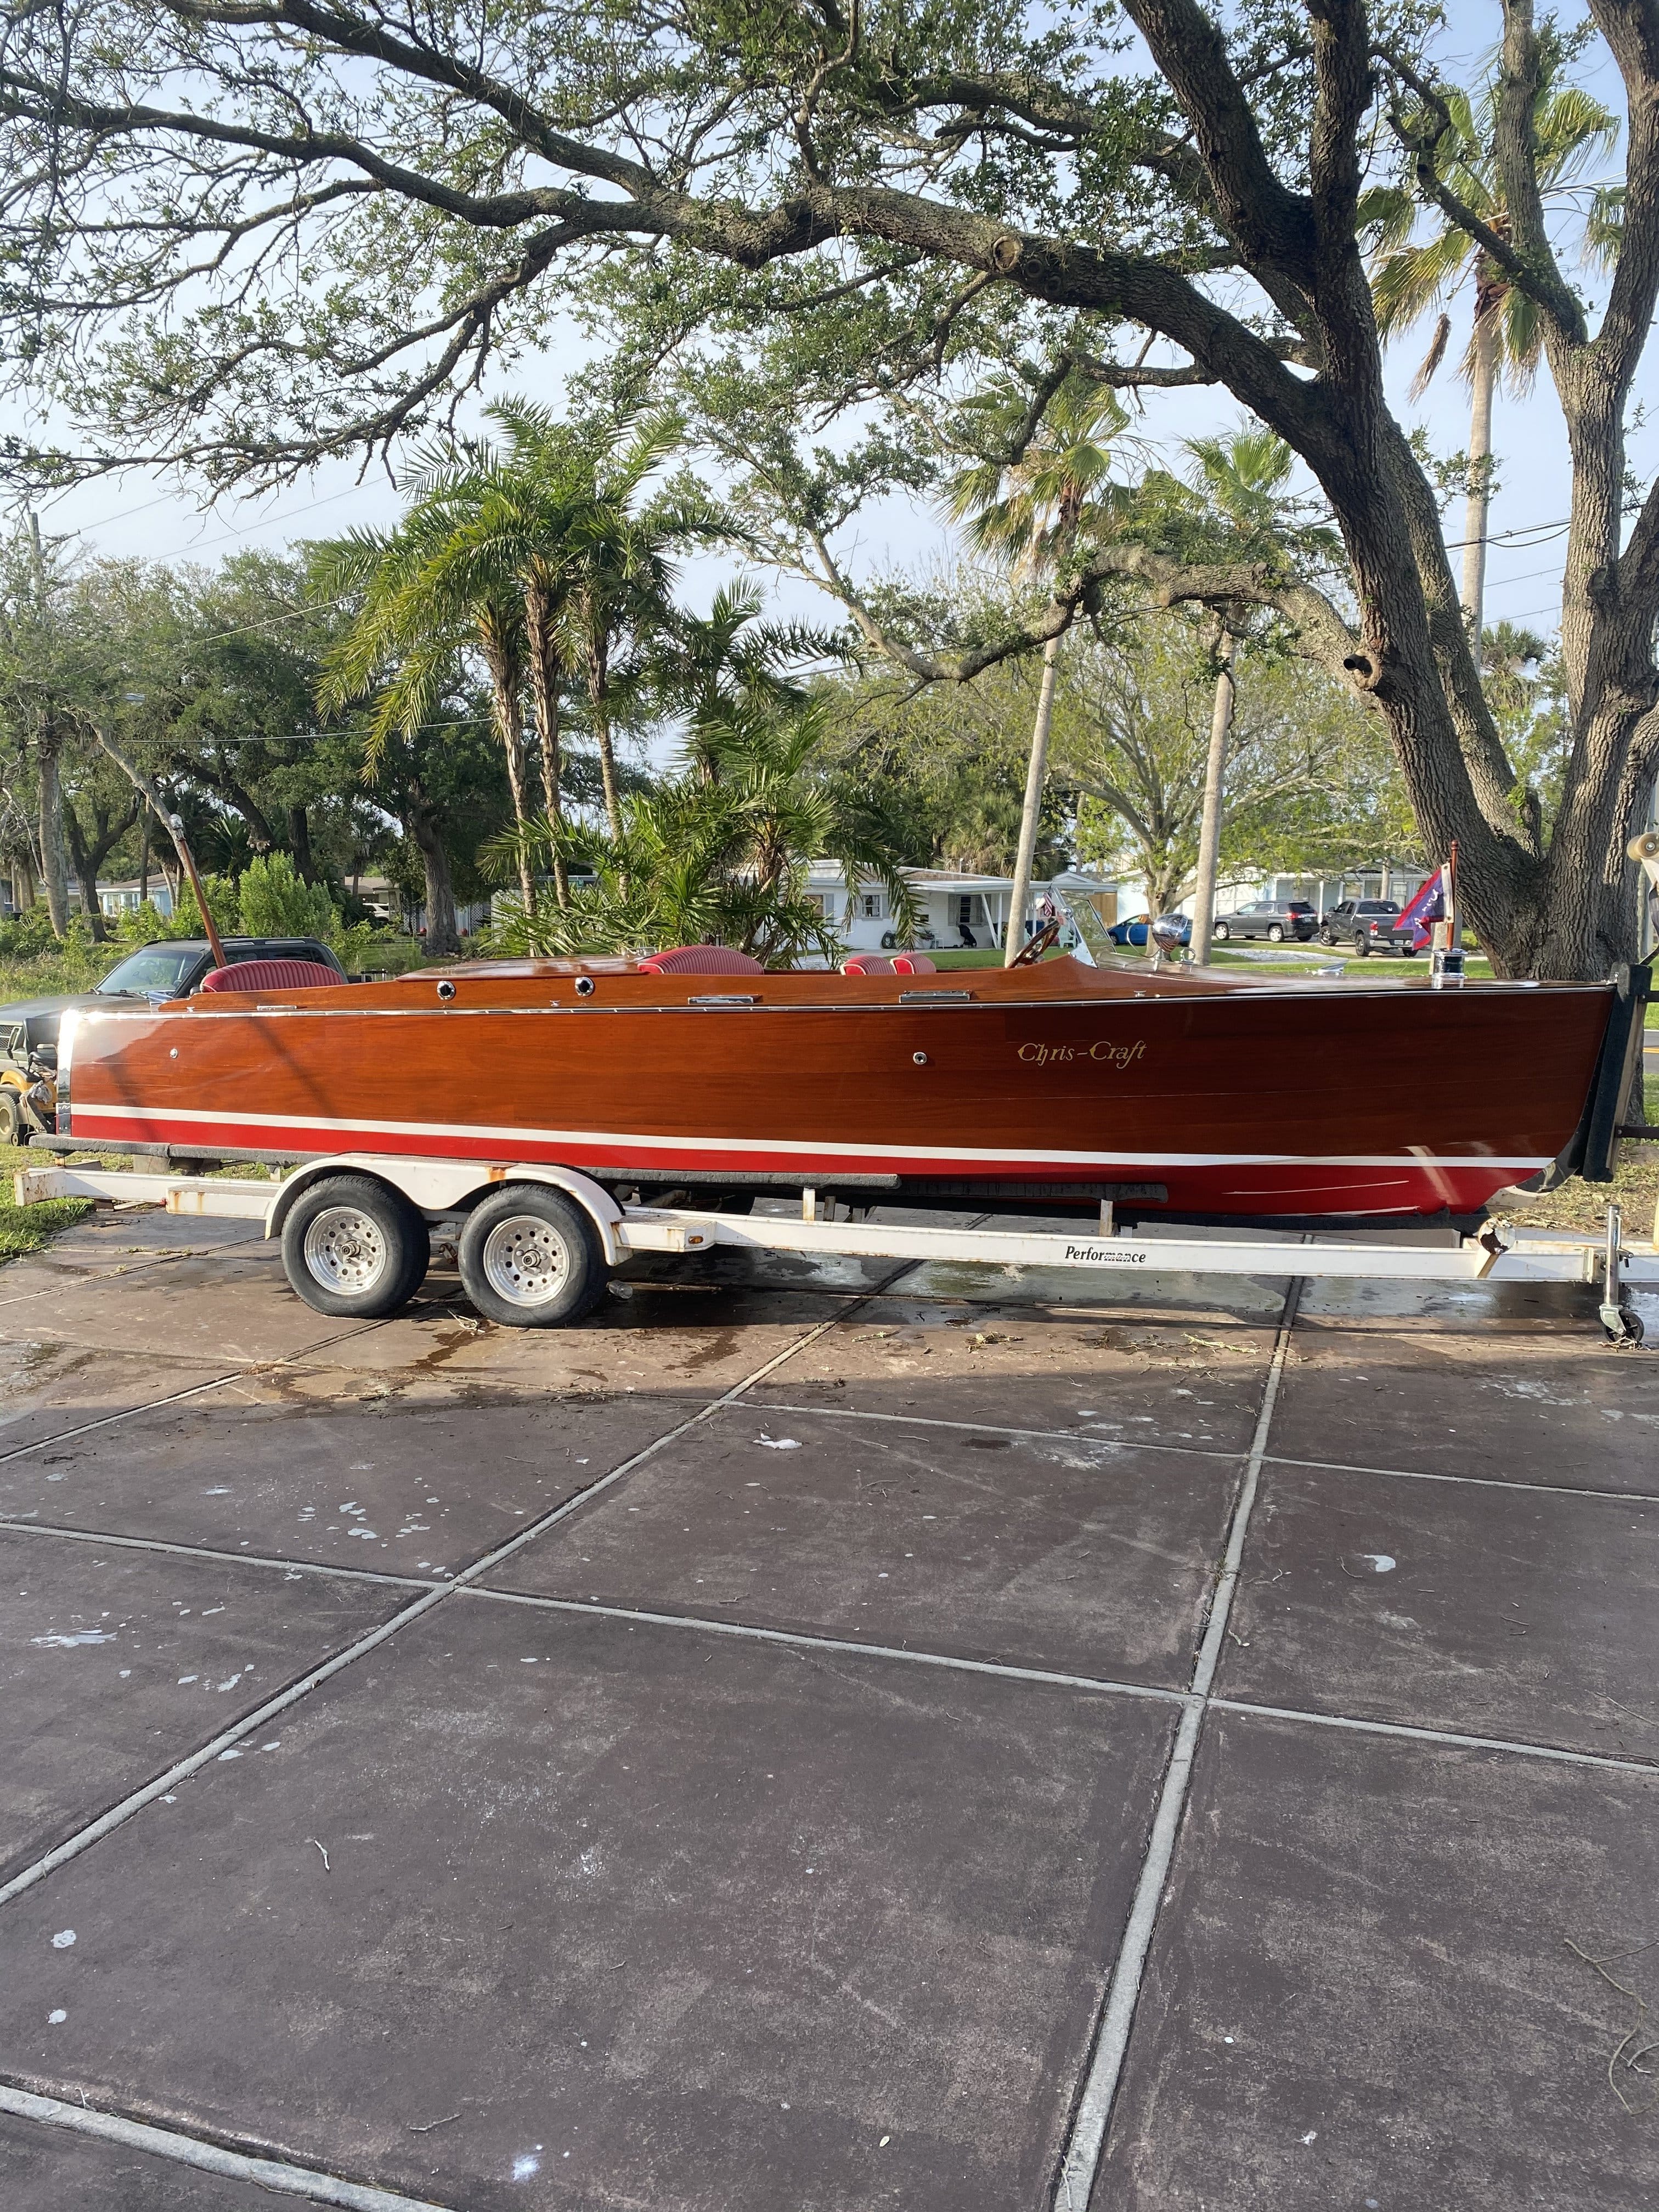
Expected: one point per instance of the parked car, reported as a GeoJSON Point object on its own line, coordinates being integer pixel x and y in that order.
{"type": "Point", "coordinates": [1134, 931]}
{"type": "Point", "coordinates": [1273, 919]}
{"type": "Point", "coordinates": [171, 968]}
{"type": "Point", "coordinates": [1368, 925]}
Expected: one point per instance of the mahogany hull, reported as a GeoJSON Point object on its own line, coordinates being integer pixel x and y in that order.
{"type": "Point", "coordinates": [1241, 1101]}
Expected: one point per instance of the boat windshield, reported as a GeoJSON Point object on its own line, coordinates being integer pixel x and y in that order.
{"type": "Point", "coordinates": [1095, 944]}
{"type": "Point", "coordinates": [157, 970]}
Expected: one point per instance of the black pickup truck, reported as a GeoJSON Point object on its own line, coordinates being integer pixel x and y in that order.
{"type": "Point", "coordinates": [1368, 925]}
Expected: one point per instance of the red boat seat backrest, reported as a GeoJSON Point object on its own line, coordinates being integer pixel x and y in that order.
{"type": "Point", "coordinates": [270, 975]}
{"type": "Point", "coordinates": [914, 963]}
{"type": "Point", "coordinates": [868, 963]}
{"type": "Point", "coordinates": [701, 960]}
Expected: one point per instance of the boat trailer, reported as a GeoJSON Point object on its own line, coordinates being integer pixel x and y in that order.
{"type": "Point", "coordinates": [442, 1191]}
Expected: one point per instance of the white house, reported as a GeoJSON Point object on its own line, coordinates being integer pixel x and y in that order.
{"type": "Point", "coordinates": [123, 897]}
{"type": "Point", "coordinates": [958, 910]}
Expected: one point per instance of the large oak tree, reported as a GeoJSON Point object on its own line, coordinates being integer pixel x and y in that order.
{"type": "Point", "coordinates": [245, 234]}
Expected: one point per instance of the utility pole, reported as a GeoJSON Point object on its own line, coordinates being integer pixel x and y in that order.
{"type": "Point", "coordinates": [1209, 834]}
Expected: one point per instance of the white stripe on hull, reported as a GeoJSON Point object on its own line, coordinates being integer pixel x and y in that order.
{"type": "Point", "coordinates": [624, 1142]}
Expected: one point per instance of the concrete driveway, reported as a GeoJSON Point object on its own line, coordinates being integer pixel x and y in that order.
{"type": "Point", "coordinates": [821, 1738]}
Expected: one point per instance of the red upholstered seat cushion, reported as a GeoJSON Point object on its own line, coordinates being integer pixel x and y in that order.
{"type": "Point", "coordinates": [914, 963]}
{"type": "Point", "coordinates": [701, 960]}
{"type": "Point", "coordinates": [270, 975]}
{"type": "Point", "coordinates": [868, 963]}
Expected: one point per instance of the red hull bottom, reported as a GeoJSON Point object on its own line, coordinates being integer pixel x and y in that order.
{"type": "Point", "coordinates": [1204, 1185]}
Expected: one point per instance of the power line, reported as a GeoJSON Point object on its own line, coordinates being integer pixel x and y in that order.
{"type": "Point", "coordinates": [317, 737]}
{"type": "Point", "coordinates": [351, 491]}
{"type": "Point", "coordinates": [224, 536]}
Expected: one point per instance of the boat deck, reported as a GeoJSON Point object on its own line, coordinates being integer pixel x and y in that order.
{"type": "Point", "coordinates": [738, 1751]}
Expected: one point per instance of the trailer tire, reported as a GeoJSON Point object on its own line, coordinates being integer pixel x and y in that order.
{"type": "Point", "coordinates": [12, 1131]}
{"type": "Point", "coordinates": [531, 1258]}
{"type": "Point", "coordinates": [355, 1248]}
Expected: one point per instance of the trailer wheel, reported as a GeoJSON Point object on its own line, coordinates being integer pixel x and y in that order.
{"type": "Point", "coordinates": [12, 1121]}
{"type": "Point", "coordinates": [531, 1258]}
{"type": "Point", "coordinates": [353, 1247]}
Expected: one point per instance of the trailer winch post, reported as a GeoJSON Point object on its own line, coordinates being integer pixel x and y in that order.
{"type": "Point", "coordinates": [1616, 1072]}
{"type": "Point", "coordinates": [1619, 1317]}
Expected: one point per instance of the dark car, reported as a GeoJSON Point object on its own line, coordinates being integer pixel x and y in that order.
{"type": "Point", "coordinates": [1368, 925]}
{"type": "Point", "coordinates": [169, 969]}
{"type": "Point", "coordinates": [1273, 919]}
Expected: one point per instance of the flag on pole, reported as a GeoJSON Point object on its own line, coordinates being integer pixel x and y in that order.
{"type": "Point", "coordinates": [1432, 903]}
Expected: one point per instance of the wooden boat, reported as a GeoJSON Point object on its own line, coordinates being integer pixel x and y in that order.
{"type": "Point", "coordinates": [1182, 1092]}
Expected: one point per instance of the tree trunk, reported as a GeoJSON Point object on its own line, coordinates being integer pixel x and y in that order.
{"type": "Point", "coordinates": [546, 673]}
{"type": "Point", "coordinates": [225, 782]}
{"type": "Point", "coordinates": [1479, 502]}
{"type": "Point", "coordinates": [505, 678]}
{"type": "Point", "coordinates": [86, 859]}
{"type": "Point", "coordinates": [1037, 776]}
{"type": "Point", "coordinates": [299, 840]}
{"type": "Point", "coordinates": [143, 855]}
{"type": "Point", "coordinates": [599, 694]}
{"type": "Point", "coordinates": [443, 936]}
{"type": "Point", "coordinates": [53, 862]}
{"type": "Point", "coordinates": [1209, 834]}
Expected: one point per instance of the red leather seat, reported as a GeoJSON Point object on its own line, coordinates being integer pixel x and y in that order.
{"type": "Point", "coordinates": [270, 975]}
{"type": "Point", "coordinates": [701, 960]}
{"type": "Point", "coordinates": [868, 963]}
{"type": "Point", "coordinates": [914, 963]}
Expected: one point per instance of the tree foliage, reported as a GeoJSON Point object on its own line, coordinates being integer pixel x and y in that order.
{"type": "Point", "coordinates": [719, 854]}
{"type": "Point", "coordinates": [242, 239]}
{"type": "Point", "coordinates": [1309, 785]}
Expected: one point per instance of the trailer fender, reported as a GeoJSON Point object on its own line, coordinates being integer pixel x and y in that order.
{"type": "Point", "coordinates": [441, 1187]}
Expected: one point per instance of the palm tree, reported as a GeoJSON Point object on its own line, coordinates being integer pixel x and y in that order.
{"type": "Point", "coordinates": [718, 858]}
{"type": "Point", "coordinates": [1410, 279]}
{"type": "Point", "coordinates": [714, 668]}
{"type": "Point", "coordinates": [621, 574]}
{"type": "Point", "coordinates": [420, 607]}
{"type": "Point", "coordinates": [1243, 479]}
{"type": "Point", "coordinates": [513, 510]}
{"type": "Point", "coordinates": [1032, 512]}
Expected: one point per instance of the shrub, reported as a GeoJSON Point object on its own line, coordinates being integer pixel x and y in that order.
{"type": "Point", "coordinates": [277, 902]}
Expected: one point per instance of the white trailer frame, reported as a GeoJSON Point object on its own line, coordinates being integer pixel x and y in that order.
{"type": "Point", "coordinates": [442, 1191]}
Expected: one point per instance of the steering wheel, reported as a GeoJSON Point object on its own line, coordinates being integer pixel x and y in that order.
{"type": "Point", "coordinates": [1029, 955]}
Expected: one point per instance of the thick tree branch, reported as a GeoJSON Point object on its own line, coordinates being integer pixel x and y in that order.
{"type": "Point", "coordinates": [1273, 226]}
{"type": "Point", "coordinates": [1630, 28]}
{"type": "Point", "coordinates": [1544, 284]}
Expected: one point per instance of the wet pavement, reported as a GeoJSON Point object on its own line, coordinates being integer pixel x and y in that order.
{"type": "Point", "coordinates": [822, 1736]}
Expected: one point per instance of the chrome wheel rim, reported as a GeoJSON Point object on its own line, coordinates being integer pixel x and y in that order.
{"type": "Point", "coordinates": [346, 1250]}
{"type": "Point", "coordinates": [525, 1261]}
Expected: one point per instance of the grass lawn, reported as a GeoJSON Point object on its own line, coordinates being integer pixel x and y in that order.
{"type": "Point", "coordinates": [26, 1228]}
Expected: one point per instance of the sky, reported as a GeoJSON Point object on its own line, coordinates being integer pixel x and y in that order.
{"type": "Point", "coordinates": [142, 515]}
